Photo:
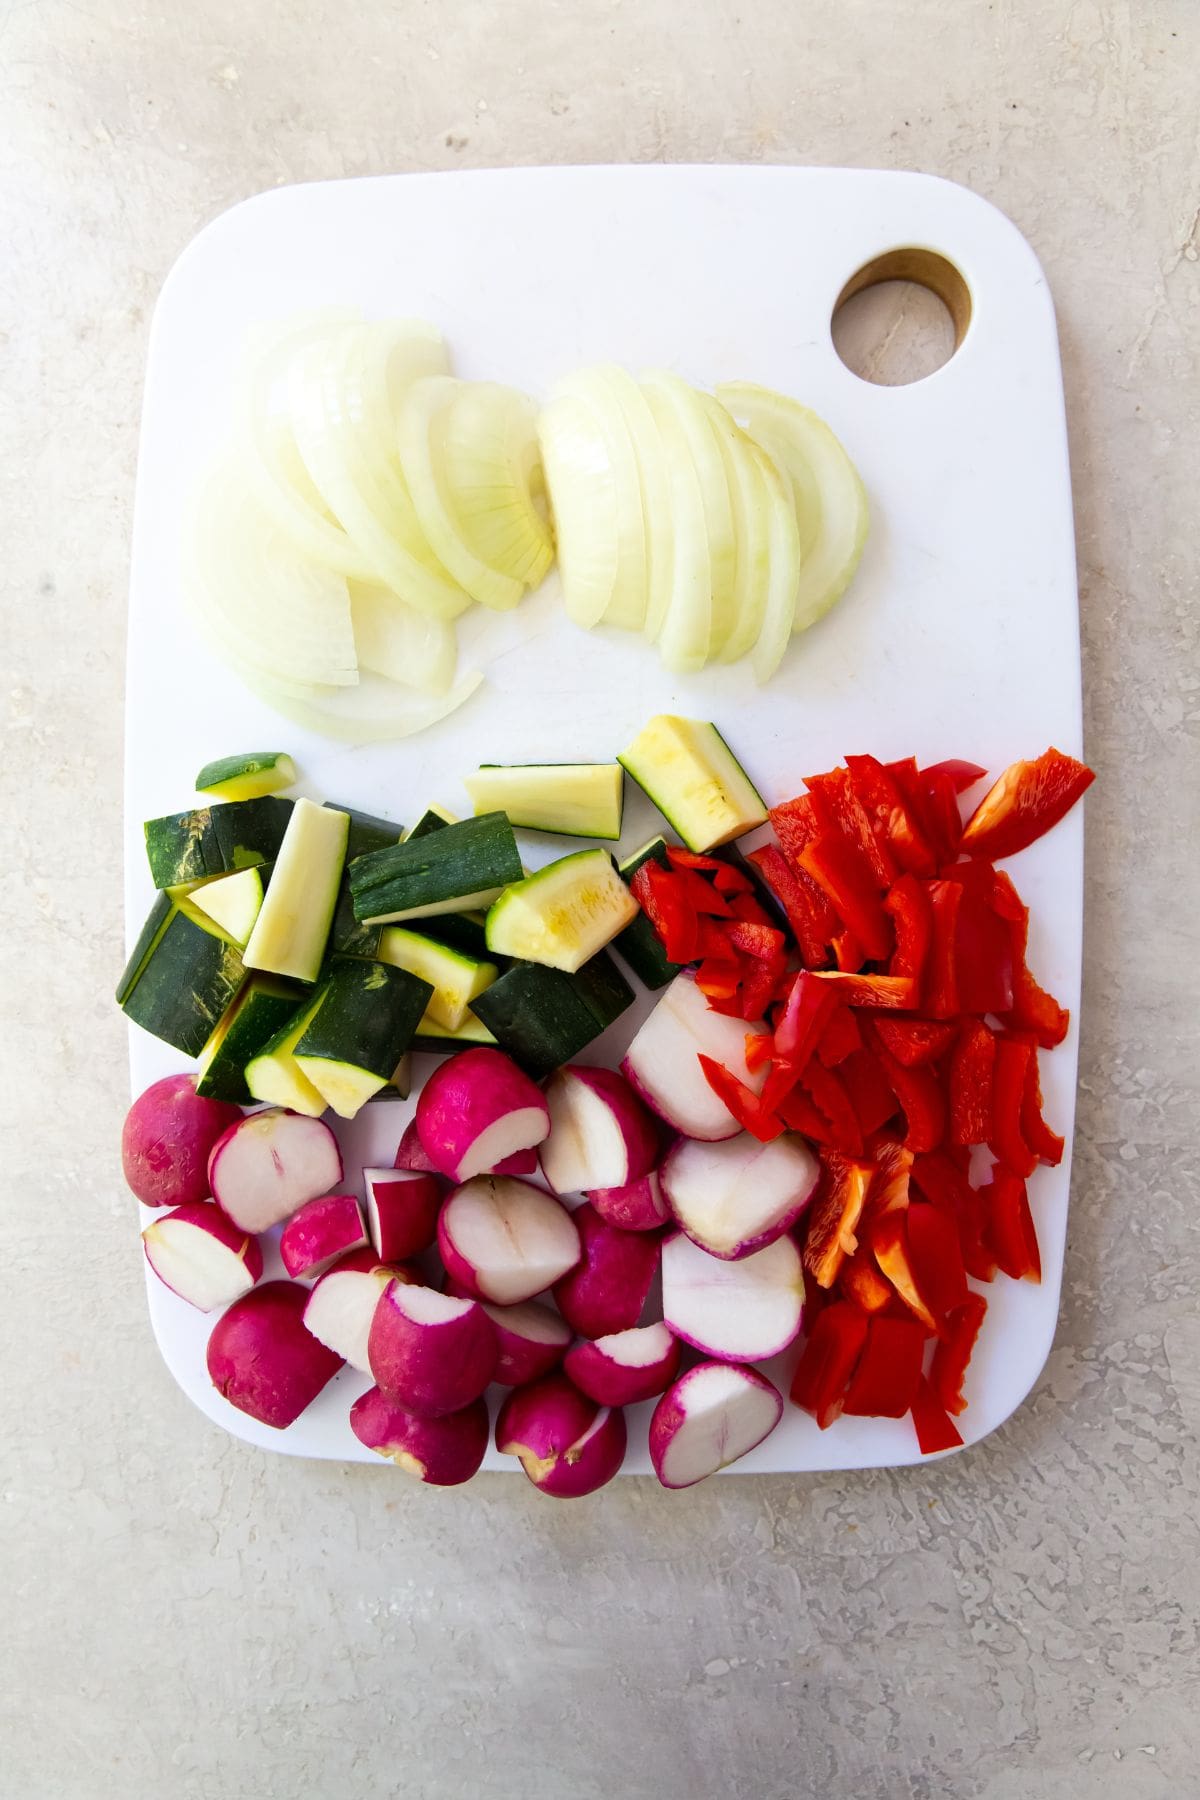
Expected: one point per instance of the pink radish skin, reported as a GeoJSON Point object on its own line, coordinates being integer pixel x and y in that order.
{"type": "Point", "coordinates": [601, 1136]}
{"type": "Point", "coordinates": [322, 1231]}
{"type": "Point", "coordinates": [714, 1414]}
{"type": "Point", "coordinates": [342, 1304]}
{"type": "Point", "coordinates": [640, 1206]}
{"type": "Point", "coordinates": [505, 1240]}
{"type": "Point", "coordinates": [265, 1167]}
{"type": "Point", "coordinates": [202, 1256]}
{"type": "Point", "coordinates": [607, 1290]}
{"type": "Point", "coordinates": [263, 1360]}
{"type": "Point", "coordinates": [532, 1340]}
{"type": "Point", "coordinates": [411, 1153]}
{"type": "Point", "coordinates": [167, 1138]}
{"type": "Point", "coordinates": [476, 1110]}
{"type": "Point", "coordinates": [741, 1311]}
{"type": "Point", "coordinates": [429, 1351]}
{"type": "Point", "coordinates": [402, 1211]}
{"type": "Point", "coordinates": [443, 1452]}
{"type": "Point", "coordinates": [567, 1445]}
{"type": "Point", "coordinates": [662, 1063]}
{"type": "Point", "coordinates": [625, 1366]}
{"type": "Point", "coordinates": [737, 1196]}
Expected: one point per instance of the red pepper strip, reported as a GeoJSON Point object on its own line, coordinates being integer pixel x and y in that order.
{"type": "Point", "coordinates": [711, 939]}
{"type": "Point", "coordinates": [941, 980]}
{"type": "Point", "coordinates": [983, 953]}
{"type": "Point", "coordinates": [914, 1041]}
{"type": "Point", "coordinates": [804, 1018]}
{"type": "Point", "coordinates": [679, 858]}
{"type": "Point", "coordinates": [801, 1114]}
{"type": "Point", "coordinates": [936, 1257]}
{"type": "Point", "coordinates": [759, 1049]}
{"type": "Point", "coordinates": [907, 778]}
{"type": "Point", "coordinates": [892, 821]}
{"type": "Point", "coordinates": [699, 894]}
{"type": "Point", "coordinates": [728, 880]}
{"type": "Point", "coordinates": [742, 1102]}
{"type": "Point", "coordinates": [941, 811]}
{"type": "Point", "coordinates": [973, 1221]}
{"type": "Point", "coordinates": [839, 809]}
{"type": "Point", "coordinates": [828, 1361]}
{"type": "Point", "coordinates": [892, 993]}
{"type": "Point", "coordinates": [750, 911]}
{"type": "Point", "coordinates": [1010, 1226]}
{"type": "Point", "coordinates": [1008, 1091]}
{"type": "Point", "coordinates": [908, 905]}
{"type": "Point", "coordinates": [884, 1385]}
{"type": "Point", "coordinates": [848, 953]}
{"type": "Point", "coordinates": [834, 865]}
{"type": "Point", "coordinates": [840, 1038]}
{"type": "Point", "coordinates": [940, 1181]}
{"type": "Point", "coordinates": [971, 1068]}
{"type": "Point", "coordinates": [1046, 1144]}
{"type": "Point", "coordinates": [934, 1430]}
{"type": "Point", "coordinates": [795, 824]}
{"type": "Point", "coordinates": [754, 940]}
{"type": "Point", "coordinates": [759, 984]}
{"type": "Point", "coordinates": [719, 977]}
{"type": "Point", "coordinates": [1028, 799]}
{"type": "Point", "coordinates": [860, 1281]}
{"type": "Point", "coordinates": [889, 1246]}
{"type": "Point", "coordinates": [948, 1188]}
{"type": "Point", "coordinates": [830, 1097]}
{"type": "Point", "coordinates": [808, 911]}
{"type": "Point", "coordinates": [952, 1353]}
{"type": "Point", "coordinates": [962, 774]}
{"type": "Point", "coordinates": [1033, 1009]}
{"type": "Point", "coordinates": [921, 1100]}
{"type": "Point", "coordinates": [889, 1184]}
{"type": "Point", "coordinates": [870, 1091]}
{"type": "Point", "coordinates": [675, 923]}
{"type": "Point", "coordinates": [833, 1217]}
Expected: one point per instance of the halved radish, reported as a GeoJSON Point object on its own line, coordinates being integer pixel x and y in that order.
{"type": "Point", "coordinates": [443, 1452]}
{"type": "Point", "coordinates": [431, 1352]}
{"type": "Point", "coordinates": [262, 1359]}
{"type": "Point", "coordinates": [662, 1063]}
{"type": "Point", "coordinates": [712, 1415]}
{"type": "Point", "coordinates": [202, 1256]}
{"type": "Point", "coordinates": [319, 1233]}
{"type": "Point", "coordinates": [607, 1288]}
{"type": "Point", "coordinates": [601, 1136]}
{"type": "Point", "coordinates": [521, 1162]}
{"type": "Point", "coordinates": [738, 1311]}
{"type": "Point", "coordinates": [412, 1154]}
{"type": "Point", "coordinates": [342, 1304]}
{"type": "Point", "coordinates": [532, 1341]}
{"type": "Point", "coordinates": [506, 1240]}
{"type": "Point", "coordinates": [567, 1445]}
{"type": "Point", "coordinates": [402, 1210]}
{"type": "Point", "coordinates": [166, 1140]}
{"type": "Point", "coordinates": [625, 1366]}
{"type": "Point", "coordinates": [639, 1206]}
{"type": "Point", "coordinates": [268, 1164]}
{"type": "Point", "coordinates": [738, 1195]}
{"type": "Point", "coordinates": [477, 1109]}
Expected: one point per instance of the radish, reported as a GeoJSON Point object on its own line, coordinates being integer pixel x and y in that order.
{"type": "Point", "coordinates": [341, 1306]}
{"type": "Point", "coordinates": [202, 1256]}
{"type": "Point", "coordinates": [268, 1164]}
{"type": "Point", "coordinates": [639, 1206]}
{"type": "Point", "coordinates": [568, 1446]}
{"type": "Point", "coordinates": [739, 1311]}
{"type": "Point", "coordinates": [402, 1211]}
{"type": "Point", "coordinates": [477, 1109]}
{"type": "Point", "coordinates": [712, 1415]}
{"type": "Point", "coordinates": [444, 1451]}
{"type": "Point", "coordinates": [506, 1240]}
{"type": "Point", "coordinates": [166, 1139]}
{"type": "Point", "coordinates": [521, 1162]}
{"type": "Point", "coordinates": [532, 1341]}
{"type": "Point", "coordinates": [261, 1358]}
{"type": "Point", "coordinates": [319, 1233]}
{"type": "Point", "coordinates": [662, 1062]}
{"type": "Point", "coordinates": [412, 1153]}
{"type": "Point", "coordinates": [737, 1195]}
{"type": "Point", "coordinates": [607, 1288]}
{"type": "Point", "coordinates": [625, 1366]}
{"type": "Point", "coordinates": [431, 1352]}
{"type": "Point", "coordinates": [601, 1136]}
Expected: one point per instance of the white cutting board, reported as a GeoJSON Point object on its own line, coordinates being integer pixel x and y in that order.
{"type": "Point", "coordinates": [958, 638]}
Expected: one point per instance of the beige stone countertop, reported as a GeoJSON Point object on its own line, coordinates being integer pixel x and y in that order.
{"type": "Point", "coordinates": [184, 1615]}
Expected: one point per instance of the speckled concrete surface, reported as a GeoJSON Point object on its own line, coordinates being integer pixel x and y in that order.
{"type": "Point", "coordinates": [184, 1615]}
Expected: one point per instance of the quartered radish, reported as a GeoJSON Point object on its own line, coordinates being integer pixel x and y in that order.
{"type": "Point", "coordinates": [477, 1109]}
{"type": "Point", "coordinates": [411, 1153]}
{"type": "Point", "coordinates": [532, 1340]}
{"type": "Point", "coordinates": [709, 1418]}
{"type": "Point", "coordinates": [432, 1352]}
{"type": "Point", "coordinates": [167, 1138]}
{"type": "Point", "coordinates": [735, 1196]}
{"type": "Point", "coordinates": [402, 1210]}
{"type": "Point", "coordinates": [269, 1164]}
{"type": "Point", "coordinates": [342, 1304]}
{"type": "Point", "coordinates": [567, 1445]}
{"type": "Point", "coordinates": [263, 1359]}
{"type": "Point", "coordinates": [444, 1452]}
{"type": "Point", "coordinates": [564, 914]}
{"type": "Point", "coordinates": [623, 1367]}
{"type": "Point", "coordinates": [506, 1240]}
{"type": "Point", "coordinates": [740, 1311]}
{"type": "Point", "coordinates": [639, 1206]}
{"type": "Point", "coordinates": [662, 1063]}
{"type": "Point", "coordinates": [601, 1136]}
{"type": "Point", "coordinates": [607, 1288]}
{"type": "Point", "coordinates": [320, 1232]}
{"type": "Point", "coordinates": [201, 1255]}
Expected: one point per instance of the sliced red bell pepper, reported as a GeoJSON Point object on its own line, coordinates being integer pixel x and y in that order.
{"type": "Point", "coordinates": [973, 1219]}
{"type": "Point", "coordinates": [935, 1431]}
{"type": "Point", "coordinates": [1027, 800]}
{"type": "Point", "coordinates": [940, 794]}
{"type": "Point", "coordinates": [1045, 1144]}
{"type": "Point", "coordinates": [801, 1114]}
{"type": "Point", "coordinates": [936, 1257]}
{"type": "Point", "coordinates": [808, 911]}
{"type": "Point", "coordinates": [838, 809]}
{"type": "Point", "coordinates": [859, 1280]}
{"type": "Point", "coordinates": [719, 977]}
{"type": "Point", "coordinates": [889, 992]}
{"type": "Point", "coordinates": [983, 947]}
{"type": "Point", "coordinates": [1033, 1009]}
{"type": "Point", "coordinates": [971, 1068]}
{"type": "Point", "coordinates": [680, 858]}
{"type": "Point", "coordinates": [830, 1097]}
{"type": "Point", "coordinates": [942, 1184]}
{"type": "Point", "coordinates": [953, 1351]}
{"type": "Point", "coordinates": [761, 941]}
{"type": "Point", "coordinates": [884, 1385]}
{"type": "Point", "coordinates": [921, 1101]}
{"type": "Point", "coordinates": [1008, 1092]}
{"type": "Point", "coordinates": [810, 1004]}
{"type": "Point", "coordinates": [915, 1041]}
{"type": "Point", "coordinates": [750, 911]}
{"type": "Point", "coordinates": [848, 953]}
{"type": "Point", "coordinates": [870, 1091]}
{"type": "Point", "coordinates": [759, 983]}
{"type": "Point", "coordinates": [759, 1050]}
{"type": "Point", "coordinates": [836, 867]}
{"type": "Point", "coordinates": [840, 1038]}
{"type": "Point", "coordinates": [745, 1105]}
{"type": "Point", "coordinates": [888, 1240]}
{"type": "Point", "coordinates": [730, 880]}
{"type": "Point", "coordinates": [941, 975]}
{"type": "Point", "coordinates": [674, 922]}
{"type": "Point", "coordinates": [1011, 1229]}
{"type": "Point", "coordinates": [963, 774]}
{"type": "Point", "coordinates": [908, 905]}
{"type": "Point", "coordinates": [889, 1187]}
{"type": "Point", "coordinates": [832, 1219]}
{"type": "Point", "coordinates": [894, 823]}
{"type": "Point", "coordinates": [699, 894]}
{"type": "Point", "coordinates": [828, 1361]}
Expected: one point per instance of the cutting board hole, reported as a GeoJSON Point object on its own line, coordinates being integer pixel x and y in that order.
{"type": "Point", "coordinates": [901, 317]}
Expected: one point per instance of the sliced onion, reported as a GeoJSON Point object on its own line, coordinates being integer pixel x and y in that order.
{"type": "Point", "coordinates": [400, 643]}
{"type": "Point", "coordinates": [493, 472]}
{"type": "Point", "coordinates": [375, 713]}
{"type": "Point", "coordinates": [751, 531]}
{"type": "Point", "coordinates": [692, 410]}
{"type": "Point", "coordinates": [582, 487]}
{"type": "Point", "coordinates": [784, 570]}
{"type": "Point", "coordinates": [684, 633]}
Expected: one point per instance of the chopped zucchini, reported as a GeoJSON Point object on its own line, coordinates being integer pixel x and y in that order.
{"type": "Point", "coordinates": [449, 870]}
{"type": "Point", "coordinates": [694, 779]}
{"type": "Point", "coordinates": [233, 901]}
{"type": "Point", "coordinates": [400, 1085]}
{"type": "Point", "coordinates": [363, 1022]}
{"type": "Point", "coordinates": [215, 840]}
{"type": "Point", "coordinates": [189, 972]}
{"type": "Point", "coordinates": [639, 943]}
{"type": "Point", "coordinates": [148, 936]}
{"type": "Point", "coordinates": [432, 819]}
{"type": "Point", "coordinates": [543, 1017]}
{"type": "Point", "coordinates": [562, 915]}
{"type": "Point", "coordinates": [249, 832]}
{"type": "Point", "coordinates": [275, 1076]}
{"type": "Point", "coordinates": [456, 979]}
{"type": "Point", "coordinates": [347, 937]}
{"type": "Point", "coordinates": [263, 1008]}
{"type": "Point", "coordinates": [291, 931]}
{"type": "Point", "coordinates": [436, 1041]}
{"type": "Point", "coordinates": [572, 799]}
{"type": "Point", "coordinates": [465, 932]}
{"type": "Point", "coordinates": [248, 776]}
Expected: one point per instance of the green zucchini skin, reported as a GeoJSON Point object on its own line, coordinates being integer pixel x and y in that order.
{"type": "Point", "coordinates": [348, 936]}
{"type": "Point", "coordinates": [261, 1010]}
{"type": "Point", "coordinates": [367, 1015]}
{"type": "Point", "coordinates": [185, 984]}
{"type": "Point", "coordinates": [260, 771]}
{"type": "Point", "coordinates": [543, 1017]}
{"type": "Point", "coordinates": [438, 870]}
{"type": "Point", "coordinates": [430, 820]}
{"type": "Point", "coordinates": [460, 931]}
{"type": "Point", "coordinates": [639, 943]}
{"type": "Point", "coordinates": [215, 840]}
{"type": "Point", "coordinates": [250, 832]}
{"type": "Point", "coordinates": [152, 930]}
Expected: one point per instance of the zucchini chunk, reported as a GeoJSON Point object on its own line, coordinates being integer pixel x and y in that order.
{"type": "Point", "coordinates": [689, 772]}
{"type": "Point", "coordinates": [456, 979]}
{"type": "Point", "coordinates": [543, 1017]}
{"type": "Point", "coordinates": [563, 914]}
{"type": "Point", "coordinates": [188, 973]}
{"type": "Point", "coordinates": [248, 776]}
{"type": "Point", "coordinates": [572, 799]}
{"type": "Point", "coordinates": [363, 1020]}
{"type": "Point", "coordinates": [263, 1007]}
{"type": "Point", "coordinates": [292, 929]}
{"type": "Point", "coordinates": [450, 870]}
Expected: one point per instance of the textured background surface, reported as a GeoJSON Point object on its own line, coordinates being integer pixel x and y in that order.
{"type": "Point", "coordinates": [185, 1615]}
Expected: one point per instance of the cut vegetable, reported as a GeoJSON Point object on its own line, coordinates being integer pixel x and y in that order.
{"type": "Point", "coordinates": [319, 1233]}
{"type": "Point", "coordinates": [402, 1210]}
{"type": "Point", "coordinates": [564, 914]}
{"type": "Point", "coordinates": [273, 1075]}
{"type": "Point", "coordinates": [494, 474]}
{"type": "Point", "coordinates": [476, 1110]}
{"type": "Point", "coordinates": [362, 1023]}
{"type": "Point", "coordinates": [429, 1351]}
{"type": "Point", "coordinates": [607, 1288]}
{"type": "Point", "coordinates": [267, 1165]}
{"type": "Point", "coordinates": [544, 1017]}
{"type": "Point", "coordinates": [420, 428]}
{"type": "Point", "coordinates": [712, 1415]}
{"type": "Point", "coordinates": [435, 1040]}
{"type": "Point", "coordinates": [625, 1367]}
{"type": "Point", "coordinates": [456, 979]}
{"type": "Point", "coordinates": [505, 1240]}
{"type": "Point", "coordinates": [186, 979]}
{"type": "Point", "coordinates": [166, 1140]}
{"type": "Point", "coordinates": [680, 620]}
{"type": "Point", "coordinates": [261, 1010]}
{"type": "Point", "coordinates": [247, 776]}
{"type": "Point", "coordinates": [443, 1452]}
{"type": "Point", "coordinates": [596, 502]}
{"type": "Point", "coordinates": [601, 1136]}
{"type": "Point", "coordinates": [734, 1197]}
{"type": "Point", "coordinates": [639, 943]}
{"type": "Point", "coordinates": [462, 866]}
{"type": "Point", "coordinates": [532, 1341]}
{"type": "Point", "coordinates": [400, 643]}
{"type": "Point", "coordinates": [689, 772]}
{"type": "Point", "coordinates": [202, 1256]}
{"type": "Point", "coordinates": [567, 1445]}
{"type": "Point", "coordinates": [699, 616]}
{"type": "Point", "coordinates": [342, 1304]}
{"type": "Point", "coordinates": [572, 799]}
{"type": "Point", "coordinates": [739, 1311]}
{"type": "Point", "coordinates": [263, 1360]}
{"type": "Point", "coordinates": [293, 926]}
{"type": "Point", "coordinates": [348, 936]}
{"type": "Point", "coordinates": [662, 1063]}
{"type": "Point", "coordinates": [640, 1206]}
{"type": "Point", "coordinates": [232, 902]}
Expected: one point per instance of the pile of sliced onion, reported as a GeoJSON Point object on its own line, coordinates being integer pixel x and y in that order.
{"type": "Point", "coordinates": [716, 539]}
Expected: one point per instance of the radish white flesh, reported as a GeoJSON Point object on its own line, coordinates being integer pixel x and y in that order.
{"type": "Point", "coordinates": [269, 1164]}
{"type": "Point", "coordinates": [506, 1240]}
{"type": "Point", "coordinates": [412, 1154]}
{"type": "Point", "coordinates": [319, 1233]}
{"type": "Point", "coordinates": [601, 1136]}
{"type": "Point", "coordinates": [663, 1065]}
{"type": "Point", "coordinates": [712, 1415]}
{"type": "Point", "coordinates": [639, 1206]}
{"type": "Point", "coordinates": [431, 1352]}
{"type": "Point", "coordinates": [740, 1311]}
{"type": "Point", "coordinates": [532, 1341]}
{"type": "Point", "coordinates": [607, 1288]}
{"type": "Point", "coordinates": [477, 1109]}
{"type": "Point", "coordinates": [625, 1366]}
{"type": "Point", "coordinates": [738, 1195]}
{"type": "Point", "coordinates": [567, 1445]}
{"type": "Point", "coordinates": [443, 1452]}
{"type": "Point", "coordinates": [402, 1210]}
{"type": "Point", "coordinates": [202, 1256]}
{"type": "Point", "coordinates": [166, 1140]}
{"type": "Point", "coordinates": [342, 1304]}
{"type": "Point", "coordinates": [263, 1360]}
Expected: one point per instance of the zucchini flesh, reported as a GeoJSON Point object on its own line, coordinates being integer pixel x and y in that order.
{"type": "Point", "coordinates": [689, 772]}
{"type": "Point", "coordinates": [453, 870]}
{"type": "Point", "coordinates": [248, 776]}
{"type": "Point", "coordinates": [571, 799]}
{"type": "Point", "coordinates": [639, 943]}
{"type": "Point", "coordinates": [456, 979]}
{"type": "Point", "coordinates": [233, 902]}
{"type": "Point", "coordinates": [543, 1017]}
{"type": "Point", "coordinates": [436, 1041]}
{"type": "Point", "coordinates": [262, 1008]}
{"type": "Point", "coordinates": [564, 914]}
{"type": "Point", "coordinates": [290, 934]}
{"type": "Point", "coordinates": [364, 1020]}
{"type": "Point", "coordinates": [347, 936]}
{"type": "Point", "coordinates": [186, 980]}
{"type": "Point", "coordinates": [274, 1074]}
